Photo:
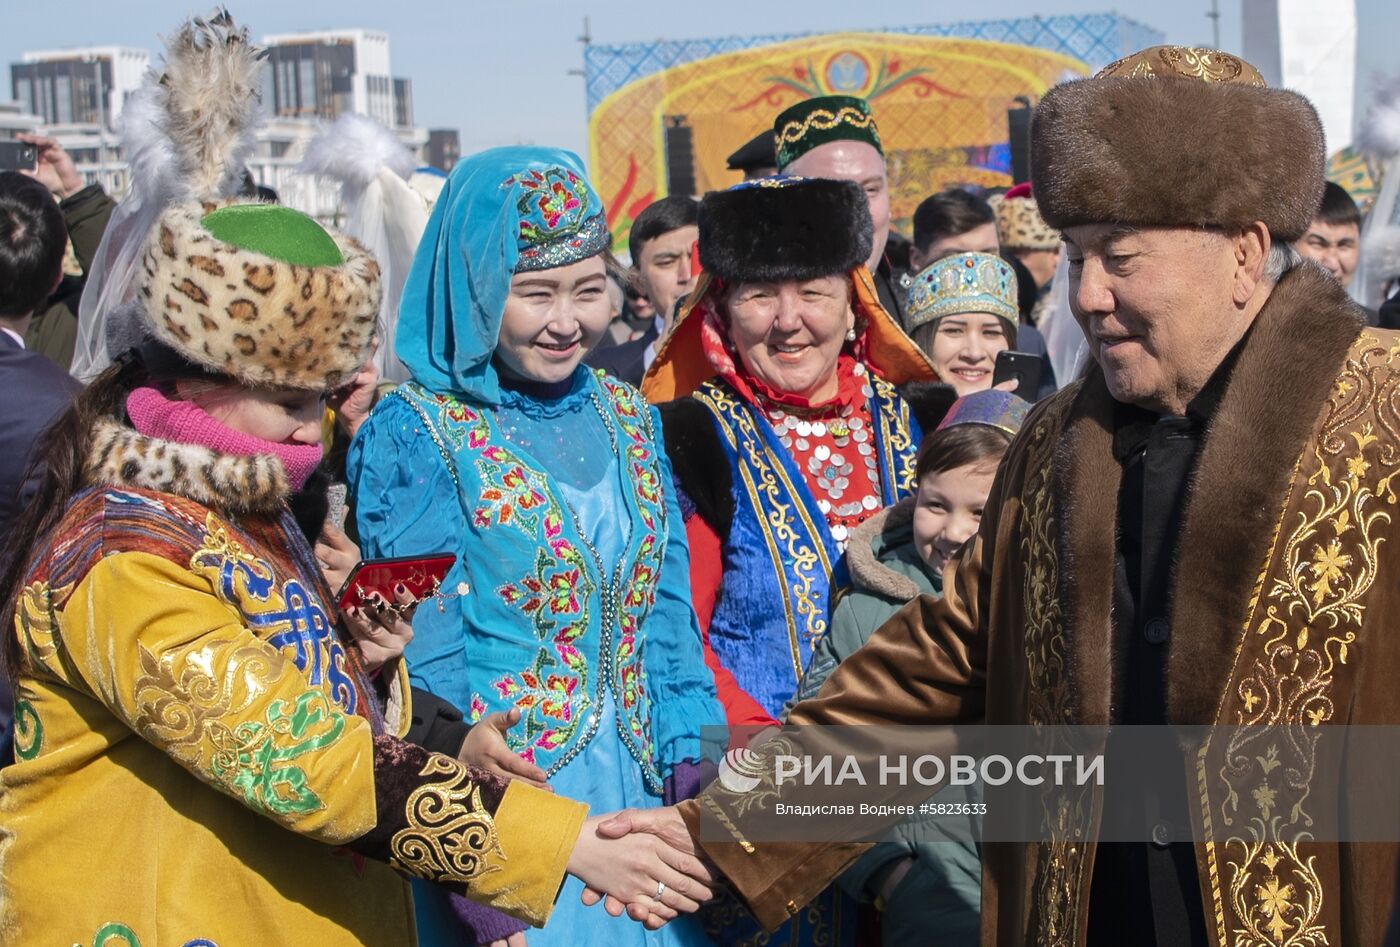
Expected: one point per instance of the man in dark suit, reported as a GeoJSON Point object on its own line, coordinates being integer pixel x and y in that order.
{"type": "Point", "coordinates": [33, 390]}
{"type": "Point", "coordinates": [660, 243]}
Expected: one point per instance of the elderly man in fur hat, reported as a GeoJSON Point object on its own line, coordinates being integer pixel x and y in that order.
{"type": "Point", "coordinates": [1201, 531]}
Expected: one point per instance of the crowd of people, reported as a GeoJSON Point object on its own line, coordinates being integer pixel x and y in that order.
{"type": "Point", "coordinates": [771, 473]}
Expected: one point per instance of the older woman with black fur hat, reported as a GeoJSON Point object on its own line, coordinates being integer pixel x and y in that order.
{"type": "Point", "coordinates": [788, 431]}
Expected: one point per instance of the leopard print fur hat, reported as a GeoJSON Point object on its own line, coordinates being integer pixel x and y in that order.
{"type": "Point", "coordinates": [1019, 224]}
{"type": "Point", "coordinates": [259, 292]}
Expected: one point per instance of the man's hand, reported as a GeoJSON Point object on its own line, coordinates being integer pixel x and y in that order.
{"type": "Point", "coordinates": [638, 871]}
{"type": "Point", "coordinates": [485, 748]}
{"type": "Point", "coordinates": [55, 169]}
{"type": "Point", "coordinates": [666, 825]}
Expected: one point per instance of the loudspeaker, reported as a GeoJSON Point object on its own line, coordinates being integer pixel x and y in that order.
{"type": "Point", "coordinates": [680, 157]}
{"type": "Point", "coordinates": [1018, 124]}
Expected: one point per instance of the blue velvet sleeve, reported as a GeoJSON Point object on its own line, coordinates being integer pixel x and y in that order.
{"type": "Point", "coordinates": [682, 688]}
{"type": "Point", "coordinates": [406, 504]}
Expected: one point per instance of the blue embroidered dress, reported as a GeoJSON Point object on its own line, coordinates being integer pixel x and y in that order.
{"type": "Point", "coordinates": [563, 516]}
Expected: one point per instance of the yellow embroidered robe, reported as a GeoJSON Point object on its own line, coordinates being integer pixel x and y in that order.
{"type": "Point", "coordinates": [1286, 591]}
{"type": "Point", "coordinates": [200, 761]}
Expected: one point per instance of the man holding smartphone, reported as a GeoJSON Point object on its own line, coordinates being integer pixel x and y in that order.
{"type": "Point", "coordinates": [85, 209]}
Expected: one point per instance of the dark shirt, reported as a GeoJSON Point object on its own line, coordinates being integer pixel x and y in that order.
{"type": "Point", "coordinates": [889, 286]}
{"type": "Point", "coordinates": [625, 361]}
{"type": "Point", "coordinates": [1148, 892]}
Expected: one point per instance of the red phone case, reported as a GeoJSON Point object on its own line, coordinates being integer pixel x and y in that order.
{"type": "Point", "coordinates": [421, 575]}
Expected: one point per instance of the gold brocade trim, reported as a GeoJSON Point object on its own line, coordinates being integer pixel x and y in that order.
{"type": "Point", "coordinates": [763, 473]}
{"type": "Point", "coordinates": [824, 120]}
{"type": "Point", "coordinates": [899, 460]}
{"type": "Point", "coordinates": [1184, 62]}
{"type": "Point", "coordinates": [1310, 609]}
{"type": "Point", "coordinates": [449, 831]}
{"type": "Point", "coordinates": [1065, 813]}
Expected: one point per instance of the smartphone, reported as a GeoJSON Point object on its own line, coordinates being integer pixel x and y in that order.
{"type": "Point", "coordinates": [373, 580]}
{"type": "Point", "coordinates": [1023, 367]}
{"type": "Point", "coordinates": [17, 155]}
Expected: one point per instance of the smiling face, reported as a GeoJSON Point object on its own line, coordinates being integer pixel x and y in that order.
{"type": "Point", "coordinates": [964, 350]}
{"type": "Point", "coordinates": [1162, 307]}
{"type": "Point", "coordinates": [859, 162]}
{"type": "Point", "coordinates": [277, 415]}
{"type": "Point", "coordinates": [552, 318]}
{"type": "Point", "coordinates": [948, 510]}
{"type": "Point", "coordinates": [788, 335]}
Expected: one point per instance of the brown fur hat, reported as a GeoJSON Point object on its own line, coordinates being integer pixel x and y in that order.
{"type": "Point", "coordinates": [256, 317]}
{"type": "Point", "coordinates": [1178, 137]}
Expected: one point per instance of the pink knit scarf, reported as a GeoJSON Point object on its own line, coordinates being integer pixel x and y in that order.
{"type": "Point", "coordinates": [154, 414]}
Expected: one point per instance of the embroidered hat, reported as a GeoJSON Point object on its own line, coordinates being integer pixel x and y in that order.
{"type": "Point", "coordinates": [804, 126]}
{"type": "Point", "coordinates": [1019, 224]}
{"type": "Point", "coordinates": [1002, 410]}
{"type": "Point", "coordinates": [967, 282]}
{"type": "Point", "coordinates": [561, 219]}
{"type": "Point", "coordinates": [1177, 136]}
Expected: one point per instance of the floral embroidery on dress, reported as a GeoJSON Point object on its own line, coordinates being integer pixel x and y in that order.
{"type": "Point", "coordinates": [565, 590]}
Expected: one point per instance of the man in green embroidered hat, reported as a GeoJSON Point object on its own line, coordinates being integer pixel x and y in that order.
{"type": "Point", "coordinates": [834, 136]}
{"type": "Point", "coordinates": [1198, 533]}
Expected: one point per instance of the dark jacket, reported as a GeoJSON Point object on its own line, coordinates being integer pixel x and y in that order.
{"type": "Point", "coordinates": [35, 392]}
{"type": "Point", "coordinates": [53, 331]}
{"type": "Point", "coordinates": [625, 361]}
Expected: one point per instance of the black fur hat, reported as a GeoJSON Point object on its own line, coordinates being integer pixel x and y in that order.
{"type": "Point", "coordinates": [784, 228]}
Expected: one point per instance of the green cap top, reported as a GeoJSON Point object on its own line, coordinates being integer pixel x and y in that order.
{"type": "Point", "coordinates": [814, 122]}
{"type": "Point", "coordinates": [274, 231]}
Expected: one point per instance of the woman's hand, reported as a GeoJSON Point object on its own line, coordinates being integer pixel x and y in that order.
{"type": "Point", "coordinates": [353, 401]}
{"type": "Point", "coordinates": [485, 748]}
{"type": "Point", "coordinates": [641, 871]}
{"type": "Point", "coordinates": [382, 630]}
{"type": "Point", "coordinates": [514, 940]}
{"type": "Point", "coordinates": [337, 554]}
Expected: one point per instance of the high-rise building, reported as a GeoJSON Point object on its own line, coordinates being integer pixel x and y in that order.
{"type": "Point", "coordinates": [322, 74]}
{"type": "Point", "coordinates": [310, 78]}
{"type": "Point", "coordinates": [85, 86]}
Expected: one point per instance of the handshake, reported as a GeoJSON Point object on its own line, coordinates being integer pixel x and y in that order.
{"type": "Point", "coordinates": [643, 862]}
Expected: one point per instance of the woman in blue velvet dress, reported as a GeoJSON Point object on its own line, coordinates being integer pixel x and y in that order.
{"type": "Point", "coordinates": [551, 486]}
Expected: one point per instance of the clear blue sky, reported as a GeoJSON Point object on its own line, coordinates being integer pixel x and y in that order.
{"type": "Point", "coordinates": [497, 70]}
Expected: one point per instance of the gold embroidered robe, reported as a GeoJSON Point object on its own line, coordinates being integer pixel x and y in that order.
{"type": "Point", "coordinates": [1287, 584]}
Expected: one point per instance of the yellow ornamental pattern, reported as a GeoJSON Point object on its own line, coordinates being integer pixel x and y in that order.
{"type": "Point", "coordinates": [1309, 609]}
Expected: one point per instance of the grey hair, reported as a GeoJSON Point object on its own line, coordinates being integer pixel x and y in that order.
{"type": "Point", "coordinates": [1282, 258]}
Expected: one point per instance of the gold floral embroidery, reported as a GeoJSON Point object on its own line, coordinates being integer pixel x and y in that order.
{"type": "Point", "coordinates": [1064, 812]}
{"type": "Point", "coordinates": [1309, 607]}
{"type": "Point", "coordinates": [449, 832]}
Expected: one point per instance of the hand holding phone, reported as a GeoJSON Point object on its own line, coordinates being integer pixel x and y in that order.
{"type": "Point", "coordinates": [373, 581]}
{"type": "Point", "coordinates": [18, 156]}
{"type": "Point", "coordinates": [1022, 367]}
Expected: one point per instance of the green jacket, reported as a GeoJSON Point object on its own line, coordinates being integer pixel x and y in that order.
{"type": "Point", "coordinates": [53, 331]}
{"type": "Point", "coordinates": [939, 900]}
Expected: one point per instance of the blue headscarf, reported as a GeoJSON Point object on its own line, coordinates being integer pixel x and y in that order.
{"type": "Point", "coordinates": [502, 211]}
